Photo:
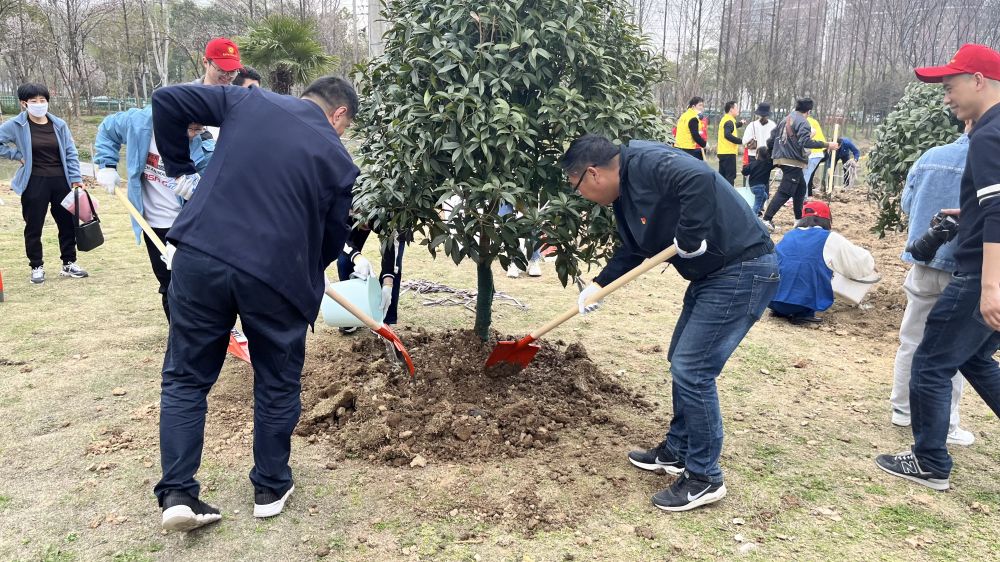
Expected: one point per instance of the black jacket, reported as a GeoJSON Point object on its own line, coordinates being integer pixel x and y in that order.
{"type": "Point", "coordinates": [759, 171]}
{"type": "Point", "coordinates": [667, 195]}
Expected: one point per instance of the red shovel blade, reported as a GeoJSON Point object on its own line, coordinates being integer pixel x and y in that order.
{"type": "Point", "coordinates": [238, 346]}
{"type": "Point", "coordinates": [518, 353]}
{"type": "Point", "coordinates": [391, 336]}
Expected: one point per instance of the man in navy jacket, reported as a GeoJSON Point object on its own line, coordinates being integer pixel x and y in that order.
{"type": "Point", "coordinates": [661, 197]}
{"type": "Point", "coordinates": [260, 228]}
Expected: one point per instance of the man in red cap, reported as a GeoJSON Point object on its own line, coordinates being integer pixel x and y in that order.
{"type": "Point", "coordinates": [963, 328]}
{"type": "Point", "coordinates": [221, 62]}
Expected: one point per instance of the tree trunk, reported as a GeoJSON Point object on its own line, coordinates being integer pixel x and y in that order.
{"type": "Point", "coordinates": [484, 299]}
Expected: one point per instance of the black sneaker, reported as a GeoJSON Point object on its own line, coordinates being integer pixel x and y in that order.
{"type": "Point", "coordinates": [657, 458]}
{"type": "Point", "coordinates": [804, 320]}
{"type": "Point", "coordinates": [268, 503]}
{"type": "Point", "coordinates": [905, 465]}
{"type": "Point", "coordinates": [182, 512]}
{"type": "Point", "coordinates": [348, 331]}
{"type": "Point", "coordinates": [688, 492]}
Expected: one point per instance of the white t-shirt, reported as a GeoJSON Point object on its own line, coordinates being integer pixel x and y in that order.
{"type": "Point", "coordinates": [756, 130]}
{"type": "Point", "coordinates": [160, 205]}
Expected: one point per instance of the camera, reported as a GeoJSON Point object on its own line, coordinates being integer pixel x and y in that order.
{"type": "Point", "coordinates": [943, 229]}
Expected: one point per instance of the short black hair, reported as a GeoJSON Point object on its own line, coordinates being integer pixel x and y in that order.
{"type": "Point", "coordinates": [763, 153]}
{"type": "Point", "coordinates": [695, 101]}
{"type": "Point", "coordinates": [31, 90]}
{"type": "Point", "coordinates": [803, 105]}
{"type": "Point", "coordinates": [729, 105]}
{"type": "Point", "coordinates": [246, 73]}
{"type": "Point", "coordinates": [335, 92]}
{"type": "Point", "coordinates": [813, 220]}
{"type": "Point", "coordinates": [588, 150]}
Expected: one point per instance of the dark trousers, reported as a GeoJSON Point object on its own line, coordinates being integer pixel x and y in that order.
{"type": "Point", "coordinates": [159, 266]}
{"type": "Point", "coordinates": [792, 186]}
{"type": "Point", "coordinates": [345, 268]}
{"type": "Point", "coordinates": [696, 152]}
{"type": "Point", "coordinates": [205, 296]}
{"type": "Point", "coordinates": [42, 194]}
{"type": "Point", "coordinates": [727, 167]}
{"type": "Point", "coordinates": [956, 338]}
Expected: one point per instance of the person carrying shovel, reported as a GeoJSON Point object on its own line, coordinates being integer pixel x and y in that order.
{"type": "Point", "coordinates": [661, 197]}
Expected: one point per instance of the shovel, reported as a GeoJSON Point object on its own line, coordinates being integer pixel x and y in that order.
{"type": "Point", "coordinates": [521, 352]}
{"type": "Point", "coordinates": [378, 327]}
{"type": "Point", "coordinates": [238, 346]}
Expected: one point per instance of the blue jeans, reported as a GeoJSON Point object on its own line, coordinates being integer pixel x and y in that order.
{"type": "Point", "coordinates": [506, 209]}
{"type": "Point", "coordinates": [956, 338]}
{"type": "Point", "coordinates": [718, 312]}
{"type": "Point", "coordinates": [760, 195]}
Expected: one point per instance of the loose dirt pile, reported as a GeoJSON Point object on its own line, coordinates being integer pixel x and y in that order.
{"type": "Point", "coordinates": [362, 402]}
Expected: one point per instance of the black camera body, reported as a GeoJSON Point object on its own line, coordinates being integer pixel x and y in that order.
{"type": "Point", "coordinates": [943, 229]}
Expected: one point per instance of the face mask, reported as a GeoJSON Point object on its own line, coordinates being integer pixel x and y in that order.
{"type": "Point", "coordinates": [38, 109]}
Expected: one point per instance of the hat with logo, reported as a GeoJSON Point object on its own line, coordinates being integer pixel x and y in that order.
{"type": "Point", "coordinates": [224, 53]}
{"type": "Point", "coordinates": [816, 209]}
{"type": "Point", "coordinates": [970, 59]}
{"type": "Point", "coordinates": [763, 109]}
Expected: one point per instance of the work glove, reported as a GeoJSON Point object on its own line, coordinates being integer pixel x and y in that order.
{"type": "Point", "coordinates": [109, 179]}
{"type": "Point", "coordinates": [362, 267]}
{"type": "Point", "coordinates": [694, 253]}
{"type": "Point", "coordinates": [386, 296]}
{"type": "Point", "coordinates": [168, 258]}
{"type": "Point", "coordinates": [185, 185]}
{"type": "Point", "coordinates": [585, 295]}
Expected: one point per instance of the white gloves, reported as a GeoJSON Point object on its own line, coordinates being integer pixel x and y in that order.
{"type": "Point", "coordinates": [585, 295]}
{"type": "Point", "coordinates": [386, 297]}
{"type": "Point", "coordinates": [169, 256]}
{"type": "Point", "coordinates": [362, 267]}
{"type": "Point", "coordinates": [109, 179]}
{"type": "Point", "coordinates": [185, 185]}
{"type": "Point", "coordinates": [694, 253]}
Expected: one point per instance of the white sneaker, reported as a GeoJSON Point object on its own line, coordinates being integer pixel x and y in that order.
{"type": "Point", "coordinates": [900, 419]}
{"type": "Point", "coordinates": [513, 272]}
{"type": "Point", "coordinates": [72, 270]}
{"type": "Point", "coordinates": [266, 503]}
{"type": "Point", "coordinates": [768, 225]}
{"type": "Point", "coordinates": [534, 268]}
{"type": "Point", "coordinates": [38, 275]}
{"type": "Point", "coordinates": [959, 436]}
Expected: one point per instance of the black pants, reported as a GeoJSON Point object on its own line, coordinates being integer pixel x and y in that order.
{"type": "Point", "coordinates": [159, 266]}
{"type": "Point", "coordinates": [696, 152]}
{"type": "Point", "coordinates": [41, 194]}
{"type": "Point", "coordinates": [205, 296]}
{"type": "Point", "coordinates": [792, 186]}
{"type": "Point", "coordinates": [727, 167]}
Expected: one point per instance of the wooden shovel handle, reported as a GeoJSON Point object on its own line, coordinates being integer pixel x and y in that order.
{"type": "Point", "coordinates": [646, 265]}
{"type": "Point", "coordinates": [833, 160]}
{"type": "Point", "coordinates": [141, 221]}
{"type": "Point", "coordinates": [353, 309]}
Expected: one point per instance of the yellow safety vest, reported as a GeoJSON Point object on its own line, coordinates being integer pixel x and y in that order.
{"type": "Point", "coordinates": [726, 147]}
{"type": "Point", "coordinates": [817, 134]}
{"type": "Point", "coordinates": [684, 138]}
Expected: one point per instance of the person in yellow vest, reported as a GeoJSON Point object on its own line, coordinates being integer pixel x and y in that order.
{"type": "Point", "coordinates": [729, 142]}
{"type": "Point", "coordinates": [815, 155]}
{"type": "Point", "coordinates": [689, 138]}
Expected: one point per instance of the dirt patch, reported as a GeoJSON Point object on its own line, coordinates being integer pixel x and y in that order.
{"type": "Point", "coordinates": [454, 409]}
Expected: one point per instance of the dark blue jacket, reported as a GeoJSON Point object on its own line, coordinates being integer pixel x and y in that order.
{"type": "Point", "coordinates": [847, 149]}
{"type": "Point", "coordinates": [667, 195]}
{"type": "Point", "coordinates": [275, 198]}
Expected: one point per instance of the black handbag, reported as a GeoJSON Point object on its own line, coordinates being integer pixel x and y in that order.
{"type": "Point", "coordinates": [88, 234]}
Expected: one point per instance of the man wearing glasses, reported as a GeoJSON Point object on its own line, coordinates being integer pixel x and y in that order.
{"type": "Point", "coordinates": [660, 197]}
{"type": "Point", "coordinates": [221, 62]}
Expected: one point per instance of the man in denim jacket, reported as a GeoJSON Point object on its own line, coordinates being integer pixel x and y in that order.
{"type": "Point", "coordinates": [932, 184]}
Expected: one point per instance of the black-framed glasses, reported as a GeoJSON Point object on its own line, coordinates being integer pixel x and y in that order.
{"type": "Point", "coordinates": [576, 188]}
{"type": "Point", "coordinates": [223, 72]}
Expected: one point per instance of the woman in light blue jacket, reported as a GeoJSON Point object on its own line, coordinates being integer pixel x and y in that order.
{"type": "Point", "coordinates": [44, 146]}
{"type": "Point", "coordinates": [147, 182]}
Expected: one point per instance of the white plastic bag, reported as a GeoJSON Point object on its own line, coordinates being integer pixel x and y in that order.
{"type": "Point", "coordinates": [86, 213]}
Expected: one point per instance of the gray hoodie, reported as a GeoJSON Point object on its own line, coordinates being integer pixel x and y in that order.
{"type": "Point", "coordinates": [790, 140]}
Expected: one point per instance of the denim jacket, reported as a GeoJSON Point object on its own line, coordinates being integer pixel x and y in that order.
{"type": "Point", "coordinates": [933, 184]}
{"type": "Point", "coordinates": [17, 132]}
{"type": "Point", "coordinates": [134, 128]}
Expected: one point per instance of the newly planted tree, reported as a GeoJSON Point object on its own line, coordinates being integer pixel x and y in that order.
{"type": "Point", "coordinates": [475, 102]}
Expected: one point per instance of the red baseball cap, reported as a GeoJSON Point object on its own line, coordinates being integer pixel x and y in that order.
{"type": "Point", "coordinates": [970, 59]}
{"type": "Point", "coordinates": [817, 209]}
{"type": "Point", "coordinates": [224, 53]}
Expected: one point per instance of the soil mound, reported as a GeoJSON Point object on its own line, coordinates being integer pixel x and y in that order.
{"type": "Point", "coordinates": [360, 400]}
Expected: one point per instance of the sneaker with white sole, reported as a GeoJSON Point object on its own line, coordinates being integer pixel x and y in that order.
{"type": "Point", "coordinates": [900, 419]}
{"type": "Point", "coordinates": [38, 275]}
{"type": "Point", "coordinates": [689, 492]}
{"type": "Point", "coordinates": [656, 459]}
{"type": "Point", "coordinates": [768, 225]}
{"type": "Point", "coordinates": [513, 272]}
{"type": "Point", "coordinates": [535, 268]}
{"type": "Point", "coordinates": [182, 512]}
{"type": "Point", "coordinates": [268, 503]}
{"type": "Point", "coordinates": [959, 436]}
{"type": "Point", "coordinates": [905, 465]}
{"type": "Point", "coordinates": [72, 270]}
